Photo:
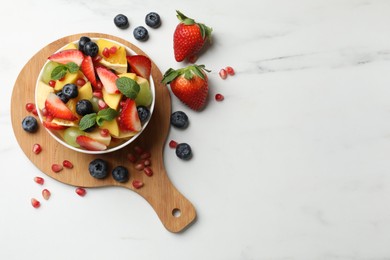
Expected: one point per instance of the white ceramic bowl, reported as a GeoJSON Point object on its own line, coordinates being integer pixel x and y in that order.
{"type": "Point", "coordinates": [59, 139]}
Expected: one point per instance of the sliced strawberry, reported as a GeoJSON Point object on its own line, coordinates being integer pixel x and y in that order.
{"type": "Point", "coordinates": [67, 56]}
{"type": "Point", "coordinates": [128, 118]}
{"type": "Point", "coordinates": [90, 144]}
{"type": "Point", "coordinates": [53, 126]}
{"type": "Point", "coordinates": [57, 109]}
{"type": "Point", "coordinates": [108, 79]}
{"type": "Point", "coordinates": [140, 65]}
{"type": "Point", "coordinates": [88, 70]}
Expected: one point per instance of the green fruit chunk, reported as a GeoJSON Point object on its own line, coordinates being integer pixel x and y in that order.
{"type": "Point", "coordinates": [46, 74]}
{"type": "Point", "coordinates": [95, 104]}
{"type": "Point", "coordinates": [144, 97]}
{"type": "Point", "coordinates": [70, 135]}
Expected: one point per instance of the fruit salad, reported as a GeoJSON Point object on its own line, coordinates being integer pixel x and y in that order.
{"type": "Point", "coordinates": [95, 95]}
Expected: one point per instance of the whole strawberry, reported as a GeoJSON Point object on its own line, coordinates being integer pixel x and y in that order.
{"type": "Point", "coordinates": [189, 84]}
{"type": "Point", "coordinates": [189, 37]}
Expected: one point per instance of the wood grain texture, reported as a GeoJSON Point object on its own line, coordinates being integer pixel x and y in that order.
{"type": "Point", "coordinates": [158, 189]}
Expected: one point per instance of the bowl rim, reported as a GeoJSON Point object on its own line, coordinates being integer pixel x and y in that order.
{"type": "Point", "coordinates": [112, 149]}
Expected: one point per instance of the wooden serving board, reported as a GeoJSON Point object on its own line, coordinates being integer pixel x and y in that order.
{"type": "Point", "coordinates": [158, 190]}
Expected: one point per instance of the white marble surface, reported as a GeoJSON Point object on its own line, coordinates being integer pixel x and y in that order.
{"type": "Point", "coordinates": [294, 164]}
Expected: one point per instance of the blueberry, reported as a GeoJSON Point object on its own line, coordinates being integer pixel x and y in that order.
{"type": "Point", "coordinates": [120, 174]}
{"type": "Point", "coordinates": [179, 119]}
{"type": "Point", "coordinates": [62, 96]}
{"type": "Point", "coordinates": [143, 113]}
{"type": "Point", "coordinates": [91, 49]}
{"type": "Point", "coordinates": [84, 107]}
{"type": "Point", "coordinates": [98, 168]}
{"type": "Point", "coordinates": [70, 91]}
{"type": "Point", "coordinates": [153, 20]}
{"type": "Point", "coordinates": [140, 33]}
{"type": "Point", "coordinates": [121, 21]}
{"type": "Point", "coordinates": [183, 151]}
{"type": "Point", "coordinates": [83, 40]}
{"type": "Point", "coordinates": [30, 124]}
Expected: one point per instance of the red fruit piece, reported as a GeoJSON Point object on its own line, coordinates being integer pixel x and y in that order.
{"type": "Point", "coordinates": [52, 83]}
{"type": "Point", "coordinates": [67, 164]}
{"type": "Point", "coordinates": [57, 108]}
{"type": "Point", "coordinates": [56, 167]}
{"type": "Point", "coordinates": [53, 126]}
{"type": "Point", "coordinates": [90, 144]}
{"type": "Point", "coordinates": [140, 65]}
{"type": "Point", "coordinates": [108, 79]}
{"type": "Point", "coordinates": [131, 157]}
{"type": "Point", "coordinates": [106, 52]}
{"type": "Point", "coordinates": [219, 97]}
{"type": "Point", "coordinates": [137, 184]}
{"type": "Point", "coordinates": [30, 107]}
{"type": "Point", "coordinates": [37, 148]}
{"type": "Point", "coordinates": [89, 71]}
{"type": "Point", "coordinates": [113, 49]}
{"type": "Point", "coordinates": [39, 180]}
{"type": "Point", "coordinates": [189, 37]}
{"type": "Point", "coordinates": [81, 191]}
{"type": "Point", "coordinates": [128, 118]}
{"type": "Point", "coordinates": [35, 203]}
{"type": "Point", "coordinates": [104, 132]}
{"type": "Point", "coordinates": [230, 70]}
{"type": "Point", "coordinates": [80, 82]}
{"type": "Point", "coordinates": [148, 171]}
{"type": "Point", "coordinates": [172, 144]}
{"type": "Point", "coordinates": [46, 194]}
{"type": "Point", "coordinates": [67, 56]}
{"type": "Point", "coordinates": [223, 74]}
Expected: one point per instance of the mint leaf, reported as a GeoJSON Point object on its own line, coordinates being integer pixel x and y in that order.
{"type": "Point", "coordinates": [72, 67]}
{"type": "Point", "coordinates": [128, 87]}
{"type": "Point", "coordinates": [87, 121]}
{"type": "Point", "coordinates": [107, 114]}
{"type": "Point", "coordinates": [58, 72]}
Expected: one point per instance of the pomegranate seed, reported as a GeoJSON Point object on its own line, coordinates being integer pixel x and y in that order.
{"type": "Point", "coordinates": [104, 132]}
{"type": "Point", "coordinates": [35, 112]}
{"type": "Point", "coordinates": [193, 59]}
{"type": "Point", "coordinates": [44, 111]}
{"type": "Point", "coordinates": [80, 82]}
{"type": "Point", "coordinates": [35, 203]}
{"type": "Point", "coordinates": [97, 58]}
{"type": "Point", "coordinates": [67, 164]}
{"type": "Point", "coordinates": [30, 107]}
{"type": "Point", "coordinates": [56, 167]}
{"type": "Point", "coordinates": [99, 85]}
{"type": "Point", "coordinates": [230, 70]}
{"type": "Point", "coordinates": [52, 83]}
{"type": "Point", "coordinates": [131, 157]}
{"type": "Point", "coordinates": [145, 155]}
{"type": "Point", "coordinates": [148, 171]}
{"type": "Point", "coordinates": [81, 191]}
{"type": "Point", "coordinates": [98, 94]}
{"type": "Point", "coordinates": [137, 184]}
{"type": "Point", "coordinates": [219, 97]}
{"type": "Point", "coordinates": [139, 166]}
{"type": "Point", "coordinates": [102, 104]}
{"type": "Point", "coordinates": [37, 148]}
{"type": "Point", "coordinates": [146, 162]}
{"type": "Point", "coordinates": [46, 194]}
{"type": "Point", "coordinates": [138, 149]}
{"type": "Point", "coordinates": [39, 180]}
{"type": "Point", "coordinates": [172, 144]}
{"type": "Point", "coordinates": [106, 52]}
{"type": "Point", "coordinates": [113, 49]}
{"type": "Point", "coordinates": [223, 74]}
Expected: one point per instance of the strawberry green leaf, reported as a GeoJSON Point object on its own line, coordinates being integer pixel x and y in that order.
{"type": "Point", "coordinates": [128, 87]}
{"type": "Point", "coordinates": [170, 75]}
{"type": "Point", "coordinates": [87, 121]}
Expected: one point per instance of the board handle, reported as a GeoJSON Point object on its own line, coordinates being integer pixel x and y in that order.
{"type": "Point", "coordinates": [175, 211]}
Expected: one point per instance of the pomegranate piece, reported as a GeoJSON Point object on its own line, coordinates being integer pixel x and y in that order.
{"type": "Point", "coordinates": [223, 74]}
{"type": "Point", "coordinates": [139, 166]}
{"type": "Point", "coordinates": [81, 191]}
{"type": "Point", "coordinates": [30, 107]}
{"type": "Point", "coordinates": [104, 132]}
{"type": "Point", "coordinates": [230, 70]}
{"type": "Point", "coordinates": [39, 180]}
{"type": "Point", "coordinates": [37, 148]}
{"type": "Point", "coordinates": [46, 194]}
{"type": "Point", "coordinates": [106, 52]}
{"type": "Point", "coordinates": [138, 150]}
{"type": "Point", "coordinates": [35, 203]}
{"type": "Point", "coordinates": [80, 82]}
{"type": "Point", "coordinates": [137, 184]}
{"type": "Point", "coordinates": [113, 49]}
{"type": "Point", "coordinates": [219, 97]}
{"type": "Point", "coordinates": [67, 164]}
{"type": "Point", "coordinates": [172, 144]}
{"type": "Point", "coordinates": [52, 83]}
{"type": "Point", "coordinates": [131, 157]}
{"type": "Point", "coordinates": [145, 155]}
{"type": "Point", "coordinates": [148, 171]}
{"type": "Point", "coordinates": [56, 167]}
